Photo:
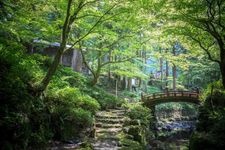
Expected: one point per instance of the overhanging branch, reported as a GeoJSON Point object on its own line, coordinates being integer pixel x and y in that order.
{"type": "Point", "coordinates": [91, 29]}
{"type": "Point", "coordinates": [205, 49]}
{"type": "Point", "coordinates": [115, 62]}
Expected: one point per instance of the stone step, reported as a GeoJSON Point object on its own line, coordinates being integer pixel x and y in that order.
{"type": "Point", "coordinates": [108, 125]}
{"type": "Point", "coordinates": [116, 110]}
{"type": "Point", "coordinates": [106, 144]}
{"type": "Point", "coordinates": [108, 148]}
{"type": "Point", "coordinates": [107, 136]}
{"type": "Point", "coordinates": [120, 112]}
{"type": "Point", "coordinates": [108, 130]}
{"type": "Point", "coordinates": [110, 117]}
{"type": "Point", "coordinates": [110, 121]}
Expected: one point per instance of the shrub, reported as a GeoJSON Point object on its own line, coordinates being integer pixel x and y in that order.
{"type": "Point", "coordinates": [71, 111]}
{"type": "Point", "coordinates": [68, 123]}
{"type": "Point", "coordinates": [72, 98]}
{"type": "Point", "coordinates": [105, 99]}
{"type": "Point", "coordinates": [137, 111]}
{"type": "Point", "coordinates": [211, 126]}
{"type": "Point", "coordinates": [23, 116]}
{"type": "Point", "coordinates": [75, 79]}
{"type": "Point", "coordinates": [30, 122]}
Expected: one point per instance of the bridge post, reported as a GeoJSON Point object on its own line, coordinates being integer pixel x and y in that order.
{"type": "Point", "coordinates": [167, 93]}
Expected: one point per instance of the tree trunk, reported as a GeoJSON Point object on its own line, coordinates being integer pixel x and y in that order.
{"type": "Point", "coordinates": [167, 69]}
{"type": "Point", "coordinates": [174, 76]}
{"type": "Point", "coordinates": [123, 84]}
{"type": "Point", "coordinates": [94, 81]}
{"type": "Point", "coordinates": [51, 69]}
{"type": "Point", "coordinates": [222, 70]}
{"type": "Point", "coordinates": [174, 70]}
{"type": "Point", "coordinates": [129, 86]}
{"type": "Point", "coordinates": [65, 33]}
{"type": "Point", "coordinates": [161, 72]}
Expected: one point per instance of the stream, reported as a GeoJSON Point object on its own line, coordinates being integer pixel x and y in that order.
{"type": "Point", "coordinates": [174, 125]}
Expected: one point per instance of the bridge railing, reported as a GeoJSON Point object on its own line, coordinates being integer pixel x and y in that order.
{"type": "Point", "coordinates": [160, 95]}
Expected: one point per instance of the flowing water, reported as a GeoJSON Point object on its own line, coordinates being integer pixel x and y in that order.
{"type": "Point", "coordinates": [175, 122]}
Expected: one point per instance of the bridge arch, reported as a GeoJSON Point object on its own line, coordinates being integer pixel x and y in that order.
{"type": "Point", "coordinates": [151, 100]}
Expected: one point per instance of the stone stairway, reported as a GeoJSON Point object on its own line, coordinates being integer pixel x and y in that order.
{"type": "Point", "coordinates": [107, 126]}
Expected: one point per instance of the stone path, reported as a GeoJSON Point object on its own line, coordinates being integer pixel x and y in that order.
{"type": "Point", "coordinates": [107, 126]}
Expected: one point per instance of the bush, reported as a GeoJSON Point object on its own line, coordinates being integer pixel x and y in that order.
{"type": "Point", "coordinates": [68, 123]}
{"type": "Point", "coordinates": [69, 97]}
{"type": "Point", "coordinates": [30, 122]}
{"type": "Point", "coordinates": [137, 111]}
{"type": "Point", "coordinates": [211, 127]}
{"type": "Point", "coordinates": [23, 116]}
{"type": "Point", "coordinates": [201, 141]}
{"type": "Point", "coordinates": [75, 79]}
{"type": "Point", "coordinates": [105, 99]}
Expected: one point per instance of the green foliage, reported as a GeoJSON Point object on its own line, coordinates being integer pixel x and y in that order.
{"type": "Point", "coordinates": [68, 123]}
{"type": "Point", "coordinates": [137, 125]}
{"type": "Point", "coordinates": [153, 89]}
{"type": "Point", "coordinates": [129, 144]}
{"type": "Point", "coordinates": [24, 120]}
{"type": "Point", "coordinates": [139, 112]}
{"type": "Point", "coordinates": [69, 97]}
{"type": "Point", "coordinates": [105, 99]}
{"type": "Point", "coordinates": [75, 79]}
{"type": "Point", "coordinates": [191, 108]}
{"type": "Point", "coordinates": [211, 125]}
{"type": "Point", "coordinates": [216, 86]}
{"type": "Point", "coordinates": [29, 121]}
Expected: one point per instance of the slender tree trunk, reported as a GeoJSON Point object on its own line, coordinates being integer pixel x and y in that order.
{"type": "Point", "coordinates": [174, 76]}
{"type": "Point", "coordinates": [66, 29]}
{"type": "Point", "coordinates": [129, 86]}
{"type": "Point", "coordinates": [94, 81]}
{"type": "Point", "coordinates": [116, 87]}
{"type": "Point", "coordinates": [167, 69]}
{"type": "Point", "coordinates": [51, 69]}
{"type": "Point", "coordinates": [222, 63]}
{"type": "Point", "coordinates": [222, 70]}
{"type": "Point", "coordinates": [140, 82]}
{"type": "Point", "coordinates": [174, 70]}
{"type": "Point", "coordinates": [161, 72]}
{"type": "Point", "coordinates": [123, 86]}
{"type": "Point", "coordinates": [109, 68]}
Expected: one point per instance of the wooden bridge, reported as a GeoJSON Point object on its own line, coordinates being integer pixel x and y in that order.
{"type": "Point", "coordinates": [151, 100]}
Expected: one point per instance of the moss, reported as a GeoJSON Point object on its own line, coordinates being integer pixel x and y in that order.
{"type": "Point", "coordinates": [128, 144]}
